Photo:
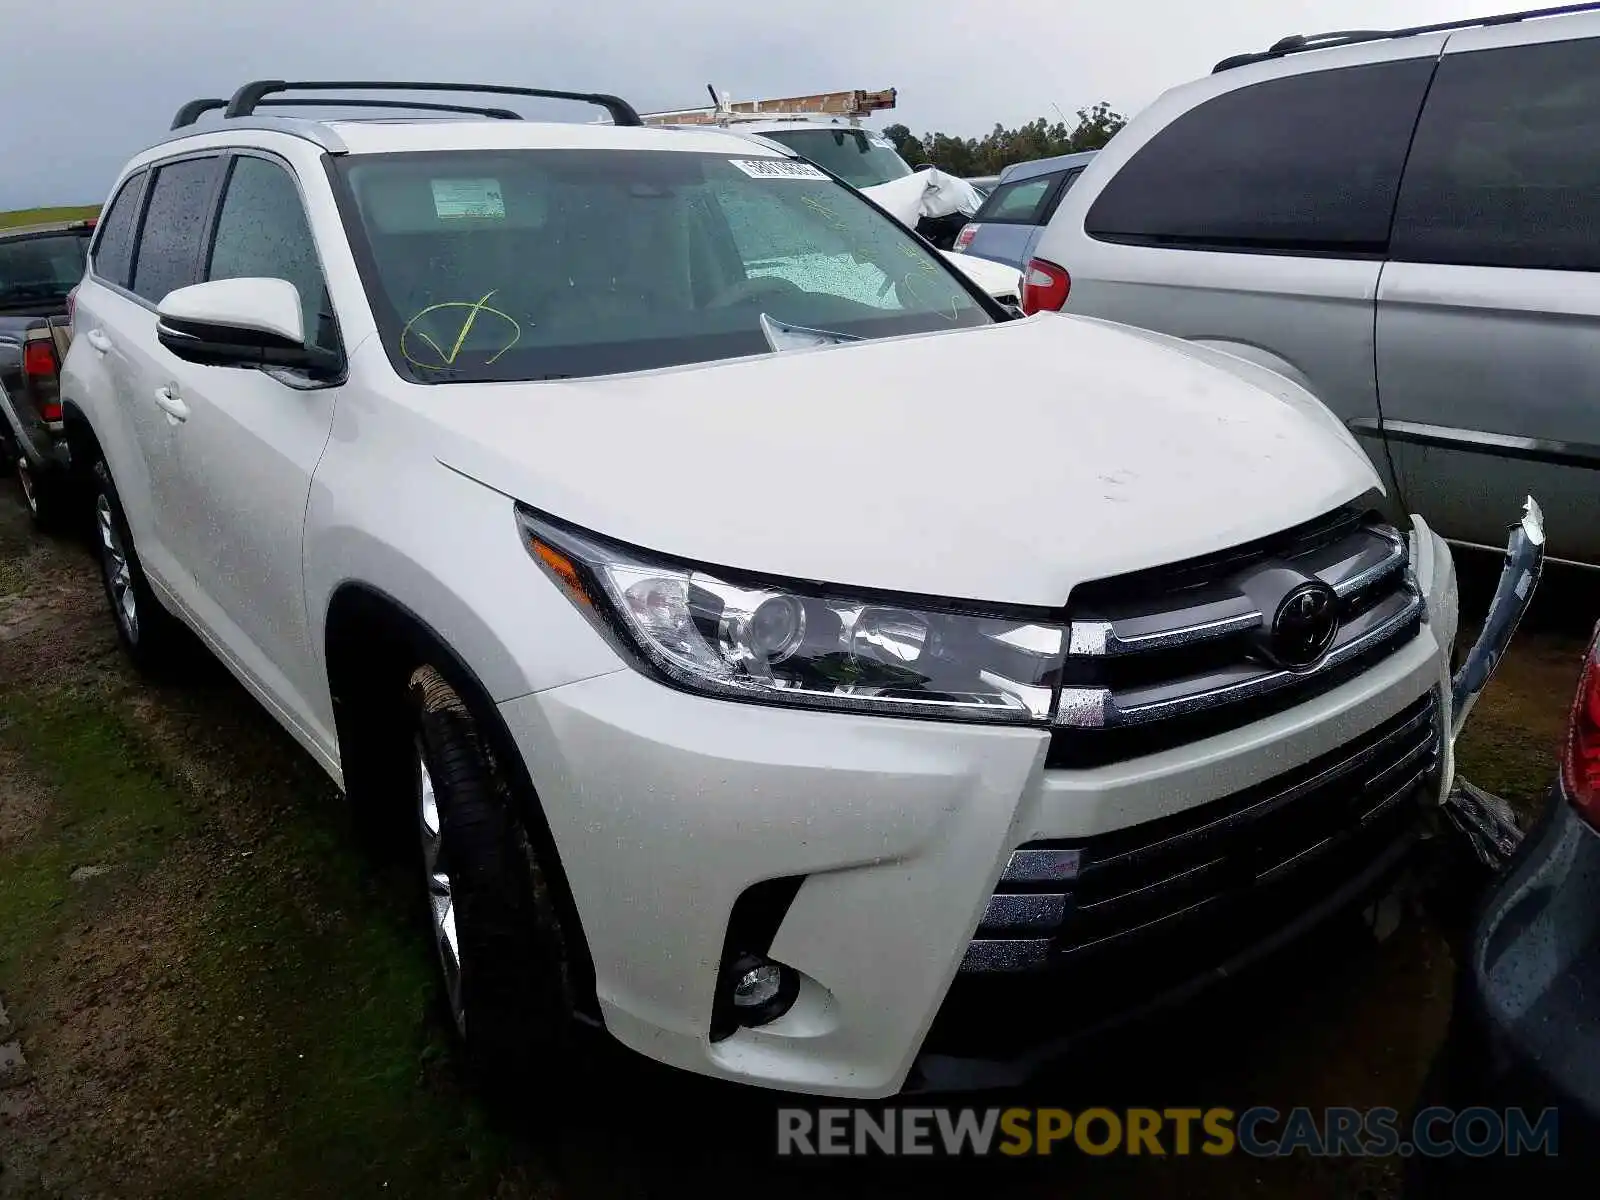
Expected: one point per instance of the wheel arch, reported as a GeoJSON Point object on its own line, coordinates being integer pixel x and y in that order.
{"type": "Point", "coordinates": [371, 643]}
{"type": "Point", "coordinates": [83, 443]}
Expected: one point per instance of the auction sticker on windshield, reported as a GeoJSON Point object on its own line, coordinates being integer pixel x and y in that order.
{"type": "Point", "coordinates": [467, 198]}
{"type": "Point", "coordinates": [777, 168]}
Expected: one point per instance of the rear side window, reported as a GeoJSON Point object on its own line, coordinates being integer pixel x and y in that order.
{"type": "Point", "coordinates": [1017, 203]}
{"type": "Point", "coordinates": [174, 226]}
{"type": "Point", "coordinates": [1505, 171]}
{"type": "Point", "coordinates": [113, 248]}
{"type": "Point", "coordinates": [1304, 164]}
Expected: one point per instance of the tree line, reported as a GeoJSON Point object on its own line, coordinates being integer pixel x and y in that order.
{"type": "Point", "coordinates": [969, 157]}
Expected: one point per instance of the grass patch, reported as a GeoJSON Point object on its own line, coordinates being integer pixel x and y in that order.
{"type": "Point", "coordinates": [109, 810]}
{"type": "Point", "coordinates": [354, 1094]}
{"type": "Point", "coordinates": [289, 998]}
{"type": "Point", "coordinates": [43, 216]}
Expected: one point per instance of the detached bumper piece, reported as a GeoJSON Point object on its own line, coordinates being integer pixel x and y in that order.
{"type": "Point", "coordinates": [1485, 820]}
{"type": "Point", "coordinates": [1164, 657]}
{"type": "Point", "coordinates": [1088, 934]}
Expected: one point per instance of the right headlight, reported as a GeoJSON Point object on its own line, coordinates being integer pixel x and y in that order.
{"type": "Point", "coordinates": [775, 641]}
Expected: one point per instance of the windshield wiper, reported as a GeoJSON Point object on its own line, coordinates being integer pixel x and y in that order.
{"type": "Point", "coordinates": [797, 337]}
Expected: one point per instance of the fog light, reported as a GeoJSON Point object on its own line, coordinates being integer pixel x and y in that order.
{"type": "Point", "coordinates": [758, 986]}
{"type": "Point", "coordinates": [761, 990]}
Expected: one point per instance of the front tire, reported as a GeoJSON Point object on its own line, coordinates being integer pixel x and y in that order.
{"type": "Point", "coordinates": [148, 632]}
{"type": "Point", "coordinates": [499, 940]}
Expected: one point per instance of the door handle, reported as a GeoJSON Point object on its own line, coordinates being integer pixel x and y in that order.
{"type": "Point", "coordinates": [98, 341]}
{"type": "Point", "coordinates": [168, 402]}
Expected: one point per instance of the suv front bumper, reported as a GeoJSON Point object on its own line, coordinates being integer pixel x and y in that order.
{"type": "Point", "coordinates": [666, 807]}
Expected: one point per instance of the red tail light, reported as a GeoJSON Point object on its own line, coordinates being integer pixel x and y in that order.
{"type": "Point", "coordinates": [39, 358]}
{"type": "Point", "coordinates": [1044, 287]}
{"type": "Point", "coordinates": [41, 370]}
{"type": "Point", "coordinates": [964, 238]}
{"type": "Point", "coordinates": [1580, 766]}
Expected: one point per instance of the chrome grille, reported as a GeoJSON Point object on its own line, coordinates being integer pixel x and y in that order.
{"type": "Point", "coordinates": [1167, 656]}
{"type": "Point", "coordinates": [1060, 902]}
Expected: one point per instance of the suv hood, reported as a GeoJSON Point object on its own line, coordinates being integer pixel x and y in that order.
{"type": "Point", "coordinates": [1005, 463]}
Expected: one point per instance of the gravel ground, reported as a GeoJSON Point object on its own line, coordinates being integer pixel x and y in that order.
{"type": "Point", "coordinates": [206, 989]}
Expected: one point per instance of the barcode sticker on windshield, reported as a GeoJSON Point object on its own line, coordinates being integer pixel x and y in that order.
{"type": "Point", "coordinates": [467, 198]}
{"type": "Point", "coordinates": [776, 168]}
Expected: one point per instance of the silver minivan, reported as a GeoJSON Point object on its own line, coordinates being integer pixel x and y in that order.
{"type": "Point", "coordinates": [1405, 222]}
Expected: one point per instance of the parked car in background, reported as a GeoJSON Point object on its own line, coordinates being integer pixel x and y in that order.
{"type": "Point", "coordinates": [607, 511]}
{"type": "Point", "coordinates": [1007, 226]}
{"type": "Point", "coordinates": [39, 267]}
{"type": "Point", "coordinates": [1525, 1027]}
{"type": "Point", "coordinates": [984, 184]}
{"type": "Point", "coordinates": [1426, 263]}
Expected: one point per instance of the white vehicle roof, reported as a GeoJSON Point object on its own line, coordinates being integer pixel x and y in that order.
{"type": "Point", "coordinates": [395, 136]}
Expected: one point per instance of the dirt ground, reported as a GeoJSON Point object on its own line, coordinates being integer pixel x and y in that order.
{"type": "Point", "coordinates": [206, 989]}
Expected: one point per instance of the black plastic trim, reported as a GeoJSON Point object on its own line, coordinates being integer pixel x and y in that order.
{"type": "Point", "coordinates": [1553, 451]}
{"type": "Point", "coordinates": [244, 101]}
{"type": "Point", "coordinates": [752, 926]}
{"type": "Point", "coordinates": [1299, 42]}
{"type": "Point", "coordinates": [195, 109]}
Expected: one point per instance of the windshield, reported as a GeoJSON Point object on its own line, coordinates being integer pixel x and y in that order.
{"type": "Point", "coordinates": [41, 269]}
{"type": "Point", "coordinates": [539, 264]}
{"type": "Point", "coordinates": [859, 158]}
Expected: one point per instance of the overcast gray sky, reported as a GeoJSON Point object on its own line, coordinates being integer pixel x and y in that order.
{"type": "Point", "coordinates": [99, 79]}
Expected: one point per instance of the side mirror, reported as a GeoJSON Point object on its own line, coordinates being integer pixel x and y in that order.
{"type": "Point", "coordinates": [240, 323]}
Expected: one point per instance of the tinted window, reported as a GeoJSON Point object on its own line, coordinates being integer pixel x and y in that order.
{"type": "Point", "coordinates": [1305, 163]}
{"type": "Point", "coordinates": [262, 232]}
{"type": "Point", "coordinates": [1506, 166]}
{"type": "Point", "coordinates": [169, 240]}
{"type": "Point", "coordinates": [1017, 203]}
{"type": "Point", "coordinates": [41, 269]}
{"type": "Point", "coordinates": [551, 263]}
{"type": "Point", "coordinates": [113, 249]}
{"type": "Point", "coordinates": [859, 158]}
{"type": "Point", "coordinates": [1053, 201]}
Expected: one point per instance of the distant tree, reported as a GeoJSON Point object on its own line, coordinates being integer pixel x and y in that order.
{"type": "Point", "coordinates": [909, 147]}
{"type": "Point", "coordinates": [1095, 126]}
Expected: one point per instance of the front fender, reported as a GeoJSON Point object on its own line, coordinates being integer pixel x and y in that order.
{"type": "Point", "coordinates": [447, 550]}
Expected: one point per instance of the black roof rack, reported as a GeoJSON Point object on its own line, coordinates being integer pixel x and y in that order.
{"type": "Point", "coordinates": [1298, 42]}
{"type": "Point", "coordinates": [195, 109]}
{"type": "Point", "coordinates": [246, 99]}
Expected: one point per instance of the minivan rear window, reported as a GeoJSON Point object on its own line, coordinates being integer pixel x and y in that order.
{"type": "Point", "coordinates": [1302, 164]}
{"type": "Point", "coordinates": [1017, 203]}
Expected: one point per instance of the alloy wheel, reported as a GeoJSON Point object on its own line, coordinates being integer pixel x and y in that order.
{"type": "Point", "coordinates": [441, 900]}
{"type": "Point", "coordinates": [118, 572]}
{"type": "Point", "coordinates": [30, 491]}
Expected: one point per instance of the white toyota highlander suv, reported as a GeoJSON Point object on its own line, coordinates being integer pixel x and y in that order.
{"type": "Point", "coordinates": [750, 691]}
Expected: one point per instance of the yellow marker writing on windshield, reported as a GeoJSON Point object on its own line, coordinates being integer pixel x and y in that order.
{"type": "Point", "coordinates": [446, 359]}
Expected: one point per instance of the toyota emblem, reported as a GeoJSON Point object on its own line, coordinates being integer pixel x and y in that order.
{"type": "Point", "coordinates": [1305, 624]}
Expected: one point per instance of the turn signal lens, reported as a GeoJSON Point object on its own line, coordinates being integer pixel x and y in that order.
{"type": "Point", "coordinates": [1580, 767]}
{"type": "Point", "coordinates": [560, 566]}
